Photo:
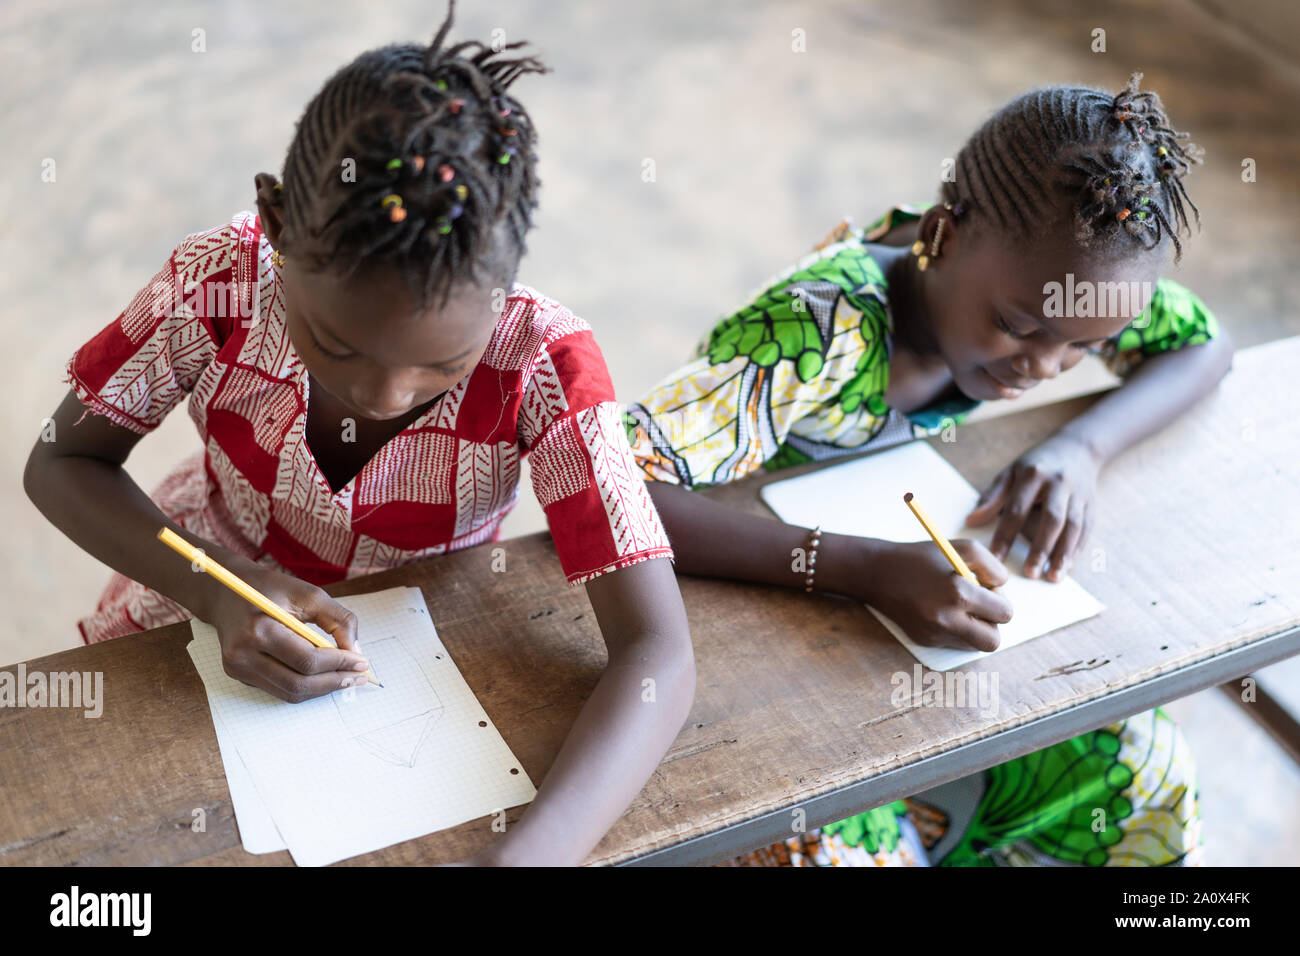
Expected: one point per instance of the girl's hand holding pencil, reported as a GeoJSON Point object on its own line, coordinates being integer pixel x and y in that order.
{"type": "Point", "coordinates": [260, 651]}
{"type": "Point", "coordinates": [917, 586]}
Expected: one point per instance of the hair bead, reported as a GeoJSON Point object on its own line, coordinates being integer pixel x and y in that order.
{"type": "Point", "coordinates": [1107, 153]}
{"type": "Point", "coordinates": [435, 89]}
{"type": "Point", "coordinates": [393, 203]}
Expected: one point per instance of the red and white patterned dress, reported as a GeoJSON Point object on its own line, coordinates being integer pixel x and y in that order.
{"type": "Point", "coordinates": [211, 325]}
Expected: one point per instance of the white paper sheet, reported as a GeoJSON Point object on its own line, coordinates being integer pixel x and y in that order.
{"type": "Point", "coordinates": [865, 497]}
{"type": "Point", "coordinates": [366, 767]}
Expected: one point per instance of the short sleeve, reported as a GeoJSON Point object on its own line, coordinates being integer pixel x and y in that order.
{"type": "Point", "coordinates": [140, 365]}
{"type": "Point", "coordinates": [805, 361]}
{"type": "Point", "coordinates": [600, 514]}
{"type": "Point", "coordinates": [1173, 319]}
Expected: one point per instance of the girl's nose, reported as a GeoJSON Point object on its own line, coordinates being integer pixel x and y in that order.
{"type": "Point", "coordinates": [383, 399]}
{"type": "Point", "coordinates": [1042, 364]}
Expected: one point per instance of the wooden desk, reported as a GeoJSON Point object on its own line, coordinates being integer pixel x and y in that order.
{"type": "Point", "coordinates": [1197, 565]}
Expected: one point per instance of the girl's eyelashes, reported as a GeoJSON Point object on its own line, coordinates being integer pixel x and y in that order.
{"type": "Point", "coordinates": [324, 351]}
{"type": "Point", "coordinates": [1081, 346]}
{"type": "Point", "coordinates": [343, 356]}
{"type": "Point", "coordinates": [1006, 327]}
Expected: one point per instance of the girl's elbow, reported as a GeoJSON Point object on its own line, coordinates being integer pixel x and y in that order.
{"type": "Point", "coordinates": [33, 475]}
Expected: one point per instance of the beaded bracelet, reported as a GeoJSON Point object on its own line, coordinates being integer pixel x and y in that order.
{"type": "Point", "coordinates": [815, 540]}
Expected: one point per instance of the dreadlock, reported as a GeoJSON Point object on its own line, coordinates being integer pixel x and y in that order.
{"type": "Point", "coordinates": [410, 156]}
{"type": "Point", "coordinates": [1114, 163]}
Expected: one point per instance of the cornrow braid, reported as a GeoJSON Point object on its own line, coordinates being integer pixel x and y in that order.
{"type": "Point", "coordinates": [1112, 165]}
{"type": "Point", "coordinates": [411, 156]}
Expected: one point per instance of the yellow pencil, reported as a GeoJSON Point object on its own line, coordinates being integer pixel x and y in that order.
{"type": "Point", "coordinates": [945, 546]}
{"type": "Point", "coordinates": [244, 590]}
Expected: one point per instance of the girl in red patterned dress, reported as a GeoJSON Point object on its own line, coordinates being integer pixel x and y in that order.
{"type": "Point", "coordinates": [366, 376]}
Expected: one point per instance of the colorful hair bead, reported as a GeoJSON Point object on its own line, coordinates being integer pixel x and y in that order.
{"type": "Point", "coordinates": [444, 225]}
{"type": "Point", "coordinates": [504, 158]}
{"type": "Point", "coordinates": [393, 164]}
{"type": "Point", "coordinates": [418, 163]}
{"type": "Point", "coordinates": [393, 203]}
{"type": "Point", "coordinates": [461, 190]}
{"type": "Point", "coordinates": [440, 84]}
{"type": "Point", "coordinates": [1122, 214]}
{"type": "Point", "coordinates": [455, 105]}
{"type": "Point", "coordinates": [506, 132]}
{"type": "Point", "coordinates": [446, 173]}
{"type": "Point", "coordinates": [456, 210]}
{"type": "Point", "coordinates": [1161, 151]}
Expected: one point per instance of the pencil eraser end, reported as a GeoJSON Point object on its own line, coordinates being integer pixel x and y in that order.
{"type": "Point", "coordinates": [907, 497]}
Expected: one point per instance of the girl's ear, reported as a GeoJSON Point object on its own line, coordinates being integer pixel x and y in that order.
{"type": "Point", "coordinates": [269, 206]}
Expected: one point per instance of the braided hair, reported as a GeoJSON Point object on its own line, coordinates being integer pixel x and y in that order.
{"type": "Point", "coordinates": [1113, 166]}
{"type": "Point", "coordinates": [439, 155]}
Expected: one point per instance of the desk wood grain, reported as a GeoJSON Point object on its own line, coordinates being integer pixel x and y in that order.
{"type": "Point", "coordinates": [1191, 554]}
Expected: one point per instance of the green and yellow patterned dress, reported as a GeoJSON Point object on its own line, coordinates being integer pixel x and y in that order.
{"type": "Point", "coordinates": [800, 374]}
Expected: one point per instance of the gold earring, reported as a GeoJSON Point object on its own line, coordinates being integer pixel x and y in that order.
{"type": "Point", "coordinates": [918, 247]}
{"type": "Point", "coordinates": [277, 257]}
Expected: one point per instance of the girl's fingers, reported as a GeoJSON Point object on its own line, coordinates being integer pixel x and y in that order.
{"type": "Point", "coordinates": [1020, 500]}
{"type": "Point", "coordinates": [329, 615]}
{"type": "Point", "coordinates": [972, 633]}
{"type": "Point", "coordinates": [983, 604]}
{"type": "Point", "coordinates": [991, 499]}
{"type": "Point", "coordinates": [300, 655]}
{"type": "Point", "coordinates": [991, 572]}
{"type": "Point", "coordinates": [288, 685]}
{"type": "Point", "coordinates": [1051, 522]}
{"type": "Point", "coordinates": [1069, 542]}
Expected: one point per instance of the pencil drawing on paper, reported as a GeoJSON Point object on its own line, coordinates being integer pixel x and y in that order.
{"type": "Point", "coordinates": [394, 722]}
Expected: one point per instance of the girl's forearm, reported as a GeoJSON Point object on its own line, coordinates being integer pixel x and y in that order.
{"type": "Point", "coordinates": [616, 743]}
{"type": "Point", "coordinates": [714, 540]}
{"type": "Point", "coordinates": [101, 508]}
{"type": "Point", "coordinates": [1153, 395]}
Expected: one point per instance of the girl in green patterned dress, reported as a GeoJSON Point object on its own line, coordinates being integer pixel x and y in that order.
{"type": "Point", "coordinates": [1047, 246]}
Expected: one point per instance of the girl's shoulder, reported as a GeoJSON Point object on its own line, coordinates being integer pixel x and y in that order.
{"type": "Point", "coordinates": [216, 273]}
{"type": "Point", "coordinates": [531, 323]}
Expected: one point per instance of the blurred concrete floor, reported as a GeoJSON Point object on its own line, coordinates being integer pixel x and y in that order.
{"type": "Point", "coordinates": [758, 151]}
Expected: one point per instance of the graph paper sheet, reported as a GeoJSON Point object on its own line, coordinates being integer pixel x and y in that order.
{"type": "Point", "coordinates": [865, 497]}
{"type": "Point", "coordinates": [366, 767]}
